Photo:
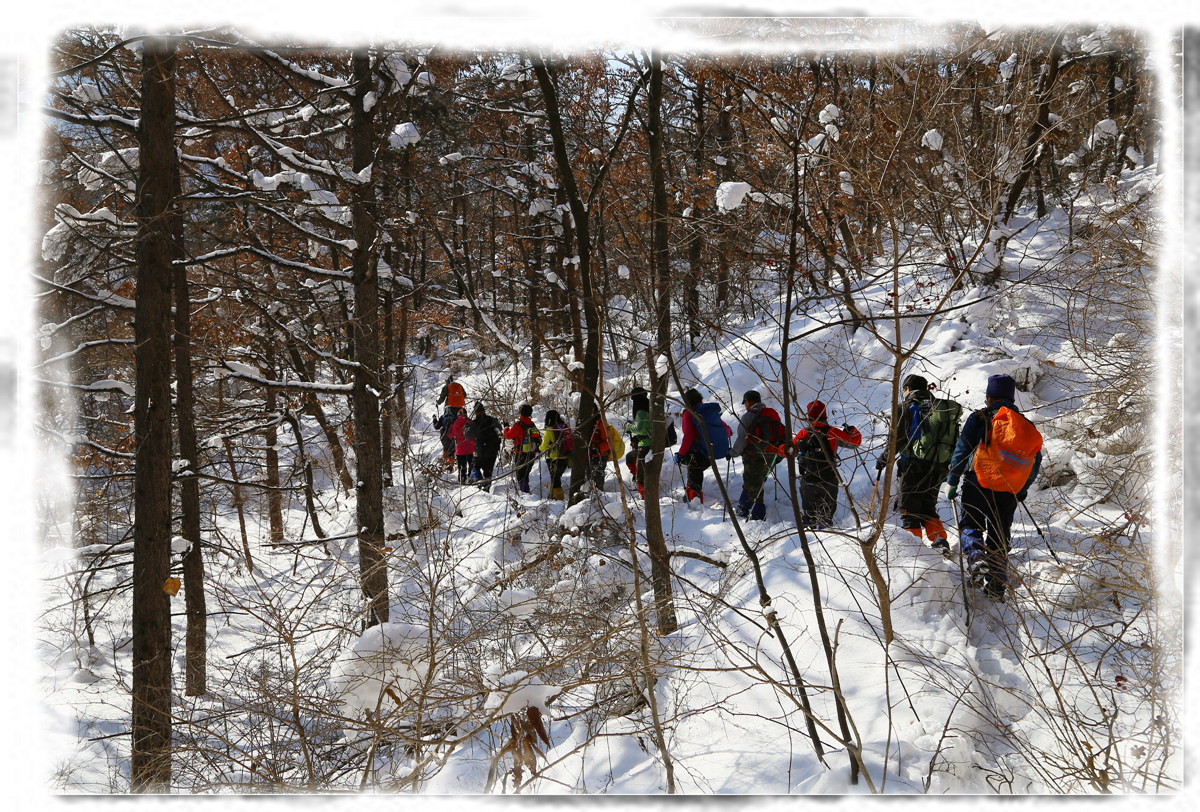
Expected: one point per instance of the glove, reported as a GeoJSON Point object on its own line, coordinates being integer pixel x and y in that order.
{"type": "Point", "coordinates": [1021, 496]}
{"type": "Point", "coordinates": [678, 460]}
{"type": "Point", "coordinates": [881, 463]}
{"type": "Point", "coordinates": [952, 494]}
{"type": "Point", "coordinates": [849, 429]}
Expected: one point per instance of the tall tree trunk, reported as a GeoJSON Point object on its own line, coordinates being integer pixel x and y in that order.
{"type": "Point", "coordinates": [387, 408]}
{"type": "Point", "coordinates": [365, 332]}
{"type": "Point", "coordinates": [591, 312]}
{"type": "Point", "coordinates": [150, 767]}
{"type": "Point", "coordinates": [660, 564]}
{"type": "Point", "coordinates": [271, 462]}
{"type": "Point", "coordinates": [196, 636]}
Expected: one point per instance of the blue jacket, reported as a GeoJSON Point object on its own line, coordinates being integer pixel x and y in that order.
{"type": "Point", "coordinates": [970, 438]}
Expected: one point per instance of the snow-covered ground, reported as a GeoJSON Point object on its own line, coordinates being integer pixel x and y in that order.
{"type": "Point", "coordinates": [502, 603]}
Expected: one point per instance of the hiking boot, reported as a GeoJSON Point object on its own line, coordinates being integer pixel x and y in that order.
{"type": "Point", "coordinates": [556, 493]}
{"type": "Point", "coordinates": [942, 546]}
{"type": "Point", "coordinates": [978, 577]}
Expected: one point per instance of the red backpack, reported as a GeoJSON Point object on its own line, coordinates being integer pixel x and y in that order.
{"type": "Point", "coordinates": [456, 396]}
{"type": "Point", "coordinates": [767, 434]}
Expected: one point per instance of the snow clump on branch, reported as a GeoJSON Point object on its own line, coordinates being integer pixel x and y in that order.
{"type": "Point", "coordinates": [730, 194]}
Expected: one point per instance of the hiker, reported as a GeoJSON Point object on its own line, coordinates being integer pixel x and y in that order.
{"type": "Point", "coordinates": [486, 431]}
{"type": "Point", "coordinates": [453, 394]}
{"type": "Point", "coordinates": [641, 444]}
{"type": "Point", "coordinates": [526, 439]}
{"type": "Point", "coordinates": [816, 452]}
{"type": "Point", "coordinates": [443, 424]}
{"type": "Point", "coordinates": [761, 441]}
{"type": "Point", "coordinates": [464, 446]}
{"type": "Point", "coordinates": [606, 444]}
{"type": "Point", "coordinates": [705, 437]}
{"type": "Point", "coordinates": [997, 457]}
{"type": "Point", "coordinates": [926, 430]}
{"type": "Point", "coordinates": [557, 445]}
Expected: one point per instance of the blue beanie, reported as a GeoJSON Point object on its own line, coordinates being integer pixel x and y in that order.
{"type": "Point", "coordinates": [1002, 387]}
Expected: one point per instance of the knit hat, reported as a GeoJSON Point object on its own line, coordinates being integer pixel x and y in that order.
{"type": "Point", "coordinates": [693, 398]}
{"type": "Point", "coordinates": [916, 383]}
{"type": "Point", "coordinates": [1002, 387]}
{"type": "Point", "coordinates": [816, 410]}
{"type": "Point", "coordinates": [478, 407]}
{"type": "Point", "coordinates": [640, 398]}
{"type": "Point", "coordinates": [752, 396]}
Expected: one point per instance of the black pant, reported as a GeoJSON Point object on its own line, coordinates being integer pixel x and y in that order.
{"type": "Point", "coordinates": [464, 468]}
{"type": "Point", "coordinates": [524, 464]}
{"type": "Point", "coordinates": [819, 499]}
{"type": "Point", "coordinates": [557, 467]}
{"type": "Point", "coordinates": [919, 483]}
{"type": "Point", "coordinates": [636, 459]}
{"type": "Point", "coordinates": [485, 466]}
{"type": "Point", "coordinates": [697, 464]}
{"type": "Point", "coordinates": [986, 529]}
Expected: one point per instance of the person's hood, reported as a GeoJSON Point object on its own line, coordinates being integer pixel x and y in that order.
{"type": "Point", "coordinates": [816, 410]}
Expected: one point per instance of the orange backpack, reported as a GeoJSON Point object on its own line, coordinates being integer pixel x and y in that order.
{"type": "Point", "coordinates": [456, 397]}
{"type": "Point", "coordinates": [1005, 456]}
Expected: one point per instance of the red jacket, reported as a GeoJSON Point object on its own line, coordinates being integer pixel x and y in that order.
{"type": "Point", "coordinates": [516, 432]}
{"type": "Point", "coordinates": [816, 414]}
{"type": "Point", "coordinates": [462, 444]}
{"type": "Point", "coordinates": [852, 437]}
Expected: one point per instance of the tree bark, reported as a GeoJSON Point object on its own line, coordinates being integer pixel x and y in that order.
{"type": "Point", "coordinates": [591, 312]}
{"type": "Point", "coordinates": [660, 564]}
{"type": "Point", "coordinates": [150, 763]}
{"type": "Point", "coordinates": [365, 332]}
{"type": "Point", "coordinates": [196, 635]}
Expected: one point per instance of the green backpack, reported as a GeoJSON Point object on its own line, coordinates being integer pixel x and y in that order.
{"type": "Point", "coordinates": [933, 429]}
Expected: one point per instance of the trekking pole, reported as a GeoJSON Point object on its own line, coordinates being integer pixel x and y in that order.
{"type": "Point", "coordinates": [874, 491]}
{"type": "Point", "coordinates": [1043, 535]}
{"type": "Point", "coordinates": [728, 462]}
{"type": "Point", "coordinates": [961, 554]}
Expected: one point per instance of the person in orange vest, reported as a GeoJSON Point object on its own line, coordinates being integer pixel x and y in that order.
{"type": "Point", "coordinates": [996, 469]}
{"type": "Point", "coordinates": [816, 451]}
{"type": "Point", "coordinates": [453, 394]}
{"type": "Point", "coordinates": [526, 439]}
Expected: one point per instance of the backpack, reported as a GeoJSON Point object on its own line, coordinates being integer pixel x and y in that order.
{"type": "Point", "coordinates": [615, 444]}
{"type": "Point", "coordinates": [672, 435]}
{"type": "Point", "coordinates": [1005, 456]}
{"type": "Point", "coordinates": [817, 456]}
{"type": "Point", "coordinates": [767, 434]}
{"type": "Point", "coordinates": [486, 432]}
{"type": "Point", "coordinates": [713, 430]}
{"type": "Point", "coordinates": [532, 440]}
{"type": "Point", "coordinates": [933, 429]}
{"type": "Point", "coordinates": [456, 396]}
{"type": "Point", "coordinates": [565, 439]}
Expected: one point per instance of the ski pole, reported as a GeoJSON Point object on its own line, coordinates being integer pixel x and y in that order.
{"type": "Point", "coordinates": [961, 554]}
{"type": "Point", "coordinates": [874, 490]}
{"type": "Point", "coordinates": [1043, 535]}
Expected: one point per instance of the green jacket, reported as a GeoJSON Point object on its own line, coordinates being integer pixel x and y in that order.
{"type": "Point", "coordinates": [639, 429]}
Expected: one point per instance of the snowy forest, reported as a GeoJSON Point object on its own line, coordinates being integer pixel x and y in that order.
{"type": "Point", "coordinates": [261, 262]}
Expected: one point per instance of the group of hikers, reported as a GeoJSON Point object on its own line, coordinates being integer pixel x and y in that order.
{"type": "Point", "coordinates": [995, 456]}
